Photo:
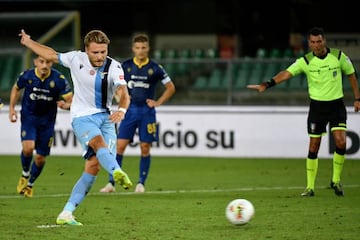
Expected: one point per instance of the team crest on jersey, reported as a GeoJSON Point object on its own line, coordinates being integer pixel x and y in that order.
{"type": "Point", "coordinates": [52, 84]}
{"type": "Point", "coordinates": [121, 77]}
{"type": "Point", "coordinates": [92, 72]}
{"type": "Point", "coordinates": [151, 71]}
{"type": "Point", "coordinates": [23, 133]}
{"type": "Point", "coordinates": [128, 69]}
{"type": "Point", "coordinates": [30, 81]}
{"type": "Point", "coordinates": [62, 76]}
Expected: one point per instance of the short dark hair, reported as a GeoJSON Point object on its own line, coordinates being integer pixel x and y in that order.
{"type": "Point", "coordinates": [142, 37]}
{"type": "Point", "coordinates": [316, 31]}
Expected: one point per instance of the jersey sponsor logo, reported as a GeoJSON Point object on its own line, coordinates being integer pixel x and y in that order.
{"type": "Point", "coordinates": [34, 96]}
{"type": "Point", "coordinates": [139, 84]}
{"type": "Point", "coordinates": [35, 89]}
{"type": "Point", "coordinates": [92, 72]}
{"type": "Point", "coordinates": [138, 77]}
{"type": "Point", "coordinates": [37, 94]}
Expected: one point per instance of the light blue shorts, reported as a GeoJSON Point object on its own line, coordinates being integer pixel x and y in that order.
{"type": "Point", "coordinates": [87, 127]}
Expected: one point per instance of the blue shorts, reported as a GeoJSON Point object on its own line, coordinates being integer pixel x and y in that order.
{"type": "Point", "coordinates": [142, 118]}
{"type": "Point", "coordinates": [87, 127]}
{"type": "Point", "coordinates": [40, 130]}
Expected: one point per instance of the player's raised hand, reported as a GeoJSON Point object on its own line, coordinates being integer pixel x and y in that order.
{"type": "Point", "coordinates": [24, 37]}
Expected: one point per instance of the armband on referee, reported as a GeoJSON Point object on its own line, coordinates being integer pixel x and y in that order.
{"type": "Point", "coordinates": [121, 109]}
{"type": "Point", "coordinates": [269, 84]}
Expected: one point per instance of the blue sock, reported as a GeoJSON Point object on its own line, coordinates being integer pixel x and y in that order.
{"type": "Point", "coordinates": [119, 158]}
{"type": "Point", "coordinates": [107, 160]}
{"type": "Point", "coordinates": [80, 190]}
{"type": "Point", "coordinates": [25, 162]}
{"type": "Point", "coordinates": [144, 168]}
{"type": "Point", "coordinates": [35, 173]}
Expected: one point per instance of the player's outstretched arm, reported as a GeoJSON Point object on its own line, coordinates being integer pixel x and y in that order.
{"type": "Point", "coordinates": [44, 51]}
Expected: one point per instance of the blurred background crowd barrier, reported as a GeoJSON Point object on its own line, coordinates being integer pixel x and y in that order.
{"type": "Point", "coordinates": [207, 69]}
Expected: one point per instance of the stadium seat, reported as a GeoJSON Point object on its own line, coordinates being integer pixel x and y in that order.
{"type": "Point", "coordinates": [171, 54]}
{"type": "Point", "coordinates": [184, 53]}
{"type": "Point", "coordinates": [288, 53]}
{"type": "Point", "coordinates": [200, 83]}
{"type": "Point", "coordinates": [261, 53]}
{"type": "Point", "coordinates": [12, 67]}
{"type": "Point", "coordinates": [242, 73]}
{"type": "Point", "coordinates": [275, 53]}
{"type": "Point", "coordinates": [158, 54]}
{"type": "Point", "coordinates": [170, 67]}
{"type": "Point", "coordinates": [212, 53]}
{"type": "Point", "coordinates": [183, 68]}
{"type": "Point", "coordinates": [198, 53]}
{"type": "Point", "coordinates": [270, 70]}
{"type": "Point", "coordinates": [216, 80]}
{"type": "Point", "coordinates": [256, 73]}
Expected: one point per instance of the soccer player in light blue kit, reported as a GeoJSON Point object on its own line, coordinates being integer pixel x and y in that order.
{"type": "Point", "coordinates": [324, 68]}
{"type": "Point", "coordinates": [44, 90]}
{"type": "Point", "coordinates": [142, 76]}
{"type": "Point", "coordinates": [96, 78]}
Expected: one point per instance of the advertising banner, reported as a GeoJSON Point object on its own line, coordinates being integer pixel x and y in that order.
{"type": "Point", "coordinates": [216, 131]}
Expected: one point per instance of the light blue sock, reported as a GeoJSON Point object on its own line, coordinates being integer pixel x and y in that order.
{"type": "Point", "coordinates": [119, 158]}
{"type": "Point", "coordinates": [107, 160]}
{"type": "Point", "coordinates": [80, 190]}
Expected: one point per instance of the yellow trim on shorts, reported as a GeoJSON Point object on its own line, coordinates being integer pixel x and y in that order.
{"type": "Point", "coordinates": [338, 128]}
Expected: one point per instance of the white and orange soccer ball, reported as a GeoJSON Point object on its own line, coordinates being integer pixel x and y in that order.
{"type": "Point", "coordinates": [239, 211]}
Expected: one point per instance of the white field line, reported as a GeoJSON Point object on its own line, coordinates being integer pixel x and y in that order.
{"type": "Point", "coordinates": [122, 192]}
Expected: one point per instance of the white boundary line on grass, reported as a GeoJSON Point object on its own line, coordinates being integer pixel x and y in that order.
{"type": "Point", "coordinates": [122, 192]}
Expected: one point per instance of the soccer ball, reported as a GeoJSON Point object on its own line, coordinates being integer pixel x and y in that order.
{"type": "Point", "coordinates": [239, 211]}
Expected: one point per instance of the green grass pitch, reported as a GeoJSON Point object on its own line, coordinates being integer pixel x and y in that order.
{"type": "Point", "coordinates": [185, 199]}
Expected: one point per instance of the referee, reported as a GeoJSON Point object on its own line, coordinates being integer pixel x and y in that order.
{"type": "Point", "coordinates": [323, 67]}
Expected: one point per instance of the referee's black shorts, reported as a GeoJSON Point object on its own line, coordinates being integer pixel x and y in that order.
{"type": "Point", "coordinates": [323, 112]}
